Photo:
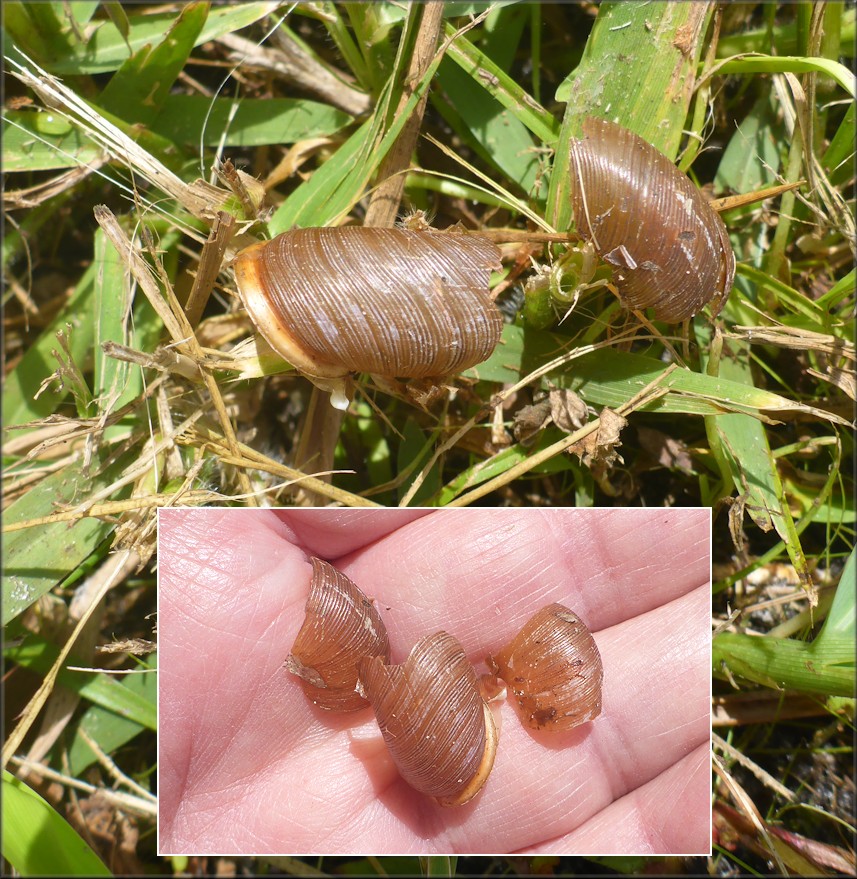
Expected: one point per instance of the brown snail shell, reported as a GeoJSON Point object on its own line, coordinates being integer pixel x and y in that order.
{"type": "Point", "coordinates": [341, 626]}
{"type": "Point", "coordinates": [392, 302]}
{"type": "Point", "coordinates": [439, 732]}
{"type": "Point", "coordinates": [553, 669]}
{"type": "Point", "coordinates": [669, 247]}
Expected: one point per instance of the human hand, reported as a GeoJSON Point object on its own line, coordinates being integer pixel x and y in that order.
{"type": "Point", "coordinates": [249, 766]}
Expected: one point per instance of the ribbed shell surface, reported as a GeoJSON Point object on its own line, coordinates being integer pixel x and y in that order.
{"type": "Point", "coordinates": [391, 302]}
{"type": "Point", "coordinates": [669, 247]}
{"type": "Point", "coordinates": [430, 714]}
{"type": "Point", "coordinates": [553, 669]}
{"type": "Point", "coordinates": [341, 626]}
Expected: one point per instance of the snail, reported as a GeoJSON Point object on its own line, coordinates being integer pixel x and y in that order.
{"type": "Point", "coordinates": [341, 627]}
{"type": "Point", "coordinates": [553, 669]}
{"type": "Point", "coordinates": [668, 247]}
{"type": "Point", "coordinates": [396, 303]}
{"type": "Point", "coordinates": [439, 732]}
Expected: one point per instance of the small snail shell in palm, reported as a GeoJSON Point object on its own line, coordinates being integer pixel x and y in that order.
{"type": "Point", "coordinates": [553, 669]}
{"type": "Point", "coordinates": [395, 303]}
{"type": "Point", "coordinates": [341, 627]}
{"type": "Point", "coordinates": [439, 732]}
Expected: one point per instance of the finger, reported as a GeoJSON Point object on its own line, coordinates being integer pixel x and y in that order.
{"type": "Point", "coordinates": [330, 534]}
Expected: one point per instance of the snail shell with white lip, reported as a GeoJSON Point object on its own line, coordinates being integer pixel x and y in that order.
{"type": "Point", "coordinates": [391, 302]}
{"type": "Point", "coordinates": [439, 732]}
{"type": "Point", "coordinates": [668, 246]}
{"type": "Point", "coordinates": [341, 627]}
{"type": "Point", "coordinates": [553, 669]}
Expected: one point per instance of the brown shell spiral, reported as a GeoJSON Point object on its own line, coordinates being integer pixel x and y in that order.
{"type": "Point", "coordinates": [553, 669]}
{"type": "Point", "coordinates": [391, 302]}
{"type": "Point", "coordinates": [439, 732]}
{"type": "Point", "coordinates": [341, 627]}
{"type": "Point", "coordinates": [669, 247]}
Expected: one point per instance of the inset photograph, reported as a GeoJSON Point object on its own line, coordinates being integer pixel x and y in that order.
{"type": "Point", "coordinates": [434, 681]}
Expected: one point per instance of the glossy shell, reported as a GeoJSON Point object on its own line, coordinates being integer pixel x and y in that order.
{"type": "Point", "coordinates": [553, 669]}
{"type": "Point", "coordinates": [668, 246]}
{"type": "Point", "coordinates": [439, 732]}
{"type": "Point", "coordinates": [340, 628]}
{"type": "Point", "coordinates": [391, 302]}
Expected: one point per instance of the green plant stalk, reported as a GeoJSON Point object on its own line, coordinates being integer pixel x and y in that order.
{"type": "Point", "coordinates": [340, 35]}
{"type": "Point", "coordinates": [775, 263]}
{"type": "Point", "coordinates": [451, 188]}
{"type": "Point", "coordinates": [784, 663]}
{"type": "Point", "coordinates": [372, 41]}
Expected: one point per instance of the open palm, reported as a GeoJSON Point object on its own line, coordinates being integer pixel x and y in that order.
{"type": "Point", "coordinates": [249, 766]}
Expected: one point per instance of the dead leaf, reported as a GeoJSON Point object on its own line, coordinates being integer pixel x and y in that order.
{"type": "Point", "coordinates": [843, 379]}
{"type": "Point", "coordinates": [568, 410]}
{"type": "Point", "coordinates": [598, 449]}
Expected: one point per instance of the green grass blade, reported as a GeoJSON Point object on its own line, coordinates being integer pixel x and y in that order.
{"type": "Point", "coordinates": [492, 131]}
{"type": "Point", "coordinates": [145, 79]}
{"type": "Point", "coordinates": [38, 841]}
{"type": "Point", "coordinates": [838, 158]}
{"type": "Point", "coordinates": [38, 140]}
{"type": "Point", "coordinates": [480, 68]}
{"type": "Point", "coordinates": [441, 865]}
{"type": "Point", "coordinates": [112, 730]}
{"type": "Point", "coordinates": [839, 73]}
{"type": "Point", "coordinates": [751, 159]}
{"type": "Point", "coordinates": [337, 186]}
{"type": "Point", "coordinates": [607, 377]}
{"type": "Point", "coordinates": [136, 705]}
{"type": "Point", "coordinates": [35, 28]}
{"type": "Point", "coordinates": [191, 119]}
{"type": "Point", "coordinates": [38, 558]}
{"type": "Point", "coordinates": [414, 452]}
{"type": "Point", "coordinates": [840, 622]}
{"type": "Point", "coordinates": [502, 462]}
{"type": "Point", "coordinates": [107, 50]}
{"type": "Point", "coordinates": [19, 393]}
{"type": "Point", "coordinates": [783, 36]}
{"type": "Point", "coordinates": [115, 381]}
{"type": "Point", "coordinates": [740, 444]}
